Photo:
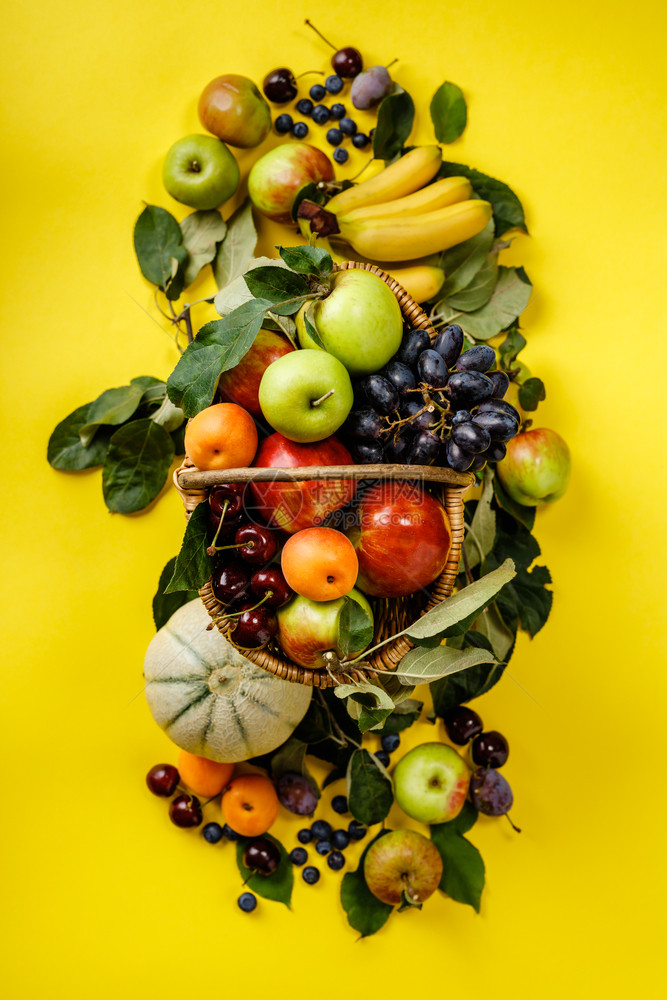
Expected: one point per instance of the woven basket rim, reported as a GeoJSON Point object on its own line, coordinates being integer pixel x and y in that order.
{"type": "Point", "coordinates": [448, 487]}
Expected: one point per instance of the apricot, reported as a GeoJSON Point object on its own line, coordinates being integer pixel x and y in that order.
{"type": "Point", "coordinates": [205, 777]}
{"type": "Point", "coordinates": [250, 805]}
{"type": "Point", "coordinates": [320, 564]}
{"type": "Point", "coordinates": [222, 436]}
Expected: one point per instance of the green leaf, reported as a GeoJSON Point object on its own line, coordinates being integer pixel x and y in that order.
{"type": "Point", "coordinates": [311, 329]}
{"type": "Point", "coordinates": [369, 789]}
{"type": "Point", "coordinates": [465, 820]}
{"type": "Point", "coordinates": [481, 532]}
{"type": "Point", "coordinates": [202, 231]}
{"type": "Point", "coordinates": [164, 605]}
{"type": "Point", "coordinates": [454, 615]}
{"type": "Point", "coordinates": [403, 716]}
{"type": "Point", "coordinates": [355, 628]}
{"type": "Point", "coordinates": [507, 209]}
{"type": "Point", "coordinates": [462, 262]}
{"type": "Point", "coordinates": [514, 541]}
{"type": "Point", "coordinates": [479, 291]}
{"type": "Point", "coordinates": [168, 416]}
{"type": "Point", "coordinates": [65, 451]}
{"type": "Point", "coordinates": [525, 515]}
{"type": "Point", "coordinates": [451, 691]}
{"type": "Point", "coordinates": [277, 886]}
{"type": "Point", "coordinates": [509, 299]}
{"type": "Point", "coordinates": [422, 665]}
{"type": "Point", "coordinates": [510, 348]}
{"type": "Point", "coordinates": [531, 393]}
{"type": "Point", "coordinates": [178, 437]}
{"type": "Point", "coordinates": [219, 345]}
{"type": "Point", "coordinates": [307, 260]}
{"type": "Point", "coordinates": [193, 565]}
{"type": "Point", "coordinates": [396, 114]}
{"type": "Point", "coordinates": [150, 385]}
{"type": "Point", "coordinates": [490, 624]}
{"type": "Point", "coordinates": [113, 407]}
{"type": "Point", "coordinates": [372, 718]}
{"type": "Point", "coordinates": [290, 758]}
{"type": "Point", "coordinates": [137, 465]}
{"type": "Point", "coordinates": [238, 246]}
{"type": "Point", "coordinates": [365, 912]}
{"type": "Point", "coordinates": [236, 293]}
{"type": "Point", "coordinates": [527, 601]}
{"type": "Point", "coordinates": [277, 284]}
{"type": "Point", "coordinates": [157, 244]}
{"type": "Point", "coordinates": [365, 693]}
{"type": "Point", "coordinates": [448, 112]}
{"type": "Point", "coordinates": [463, 867]}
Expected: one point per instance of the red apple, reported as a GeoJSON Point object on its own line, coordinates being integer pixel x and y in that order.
{"type": "Point", "coordinates": [278, 176]}
{"type": "Point", "coordinates": [293, 506]}
{"type": "Point", "coordinates": [403, 539]}
{"type": "Point", "coordinates": [536, 469]}
{"type": "Point", "coordinates": [241, 384]}
{"type": "Point", "coordinates": [403, 862]}
{"type": "Point", "coordinates": [232, 108]}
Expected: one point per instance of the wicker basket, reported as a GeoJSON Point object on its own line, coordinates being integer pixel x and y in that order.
{"type": "Point", "coordinates": [391, 615]}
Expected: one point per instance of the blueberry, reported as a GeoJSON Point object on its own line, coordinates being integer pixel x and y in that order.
{"type": "Point", "coordinates": [304, 836]}
{"type": "Point", "coordinates": [336, 861]}
{"type": "Point", "coordinates": [247, 902]}
{"type": "Point", "coordinates": [304, 106]}
{"type": "Point", "coordinates": [283, 124]}
{"type": "Point", "coordinates": [383, 757]}
{"type": "Point", "coordinates": [357, 831]}
{"type": "Point", "coordinates": [334, 136]}
{"type": "Point", "coordinates": [321, 114]}
{"type": "Point", "coordinates": [340, 155]}
{"type": "Point", "coordinates": [229, 833]}
{"type": "Point", "coordinates": [299, 130]}
{"type": "Point", "coordinates": [360, 140]}
{"type": "Point", "coordinates": [323, 846]}
{"type": "Point", "coordinates": [212, 833]}
{"type": "Point", "coordinates": [310, 874]}
{"type": "Point", "coordinates": [317, 91]}
{"type": "Point", "coordinates": [390, 742]}
{"type": "Point", "coordinates": [321, 829]}
{"type": "Point", "coordinates": [337, 111]}
{"type": "Point", "coordinates": [334, 84]}
{"type": "Point", "coordinates": [347, 126]}
{"type": "Point", "coordinates": [339, 804]}
{"type": "Point", "coordinates": [298, 856]}
{"type": "Point", "coordinates": [340, 839]}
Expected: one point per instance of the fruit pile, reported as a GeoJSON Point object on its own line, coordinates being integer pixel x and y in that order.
{"type": "Point", "coordinates": [313, 365]}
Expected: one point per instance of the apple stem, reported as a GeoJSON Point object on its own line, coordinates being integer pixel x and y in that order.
{"type": "Point", "coordinates": [318, 32]}
{"type": "Point", "coordinates": [316, 402]}
{"type": "Point", "coordinates": [210, 551]}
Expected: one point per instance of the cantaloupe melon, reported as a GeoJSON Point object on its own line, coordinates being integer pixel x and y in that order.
{"type": "Point", "coordinates": [212, 701]}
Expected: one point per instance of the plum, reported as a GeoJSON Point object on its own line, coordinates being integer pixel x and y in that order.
{"type": "Point", "coordinates": [369, 87]}
{"type": "Point", "coordinates": [297, 794]}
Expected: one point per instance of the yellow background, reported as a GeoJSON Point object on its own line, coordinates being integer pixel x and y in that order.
{"type": "Point", "coordinates": [102, 896]}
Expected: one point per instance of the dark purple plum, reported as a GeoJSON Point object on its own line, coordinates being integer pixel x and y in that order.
{"type": "Point", "coordinates": [490, 792]}
{"type": "Point", "coordinates": [297, 794]}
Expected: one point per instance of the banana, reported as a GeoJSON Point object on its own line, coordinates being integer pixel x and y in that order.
{"type": "Point", "coordinates": [446, 191]}
{"type": "Point", "coordinates": [406, 175]}
{"type": "Point", "coordinates": [404, 238]}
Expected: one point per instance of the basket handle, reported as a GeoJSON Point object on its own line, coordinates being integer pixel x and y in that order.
{"type": "Point", "coordinates": [194, 479]}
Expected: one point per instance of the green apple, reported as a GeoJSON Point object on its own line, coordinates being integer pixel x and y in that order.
{"type": "Point", "coordinates": [232, 107]}
{"type": "Point", "coordinates": [306, 395]}
{"type": "Point", "coordinates": [536, 468]}
{"type": "Point", "coordinates": [431, 783]}
{"type": "Point", "coordinates": [359, 322]}
{"type": "Point", "coordinates": [403, 863]}
{"type": "Point", "coordinates": [307, 629]}
{"type": "Point", "coordinates": [199, 171]}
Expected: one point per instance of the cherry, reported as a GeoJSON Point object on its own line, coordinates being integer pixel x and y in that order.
{"type": "Point", "coordinates": [254, 626]}
{"type": "Point", "coordinates": [230, 580]}
{"type": "Point", "coordinates": [490, 749]}
{"type": "Point", "coordinates": [462, 724]}
{"type": "Point", "coordinates": [185, 811]}
{"type": "Point", "coordinates": [271, 581]}
{"type": "Point", "coordinates": [261, 856]}
{"type": "Point", "coordinates": [258, 543]}
{"type": "Point", "coordinates": [279, 85]}
{"type": "Point", "coordinates": [162, 779]}
{"type": "Point", "coordinates": [345, 62]}
{"type": "Point", "coordinates": [227, 499]}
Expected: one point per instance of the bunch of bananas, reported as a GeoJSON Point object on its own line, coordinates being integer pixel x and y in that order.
{"type": "Point", "coordinates": [395, 217]}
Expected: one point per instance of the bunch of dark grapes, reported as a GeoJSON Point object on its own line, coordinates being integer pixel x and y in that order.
{"type": "Point", "coordinates": [433, 403]}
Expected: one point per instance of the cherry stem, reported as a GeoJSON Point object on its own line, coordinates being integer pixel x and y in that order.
{"type": "Point", "coordinates": [318, 32]}
{"type": "Point", "coordinates": [210, 551]}
{"type": "Point", "coordinates": [237, 614]}
{"type": "Point", "coordinates": [309, 72]}
{"type": "Point", "coordinates": [392, 62]}
{"type": "Point", "coordinates": [238, 545]}
{"type": "Point", "coordinates": [316, 402]}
